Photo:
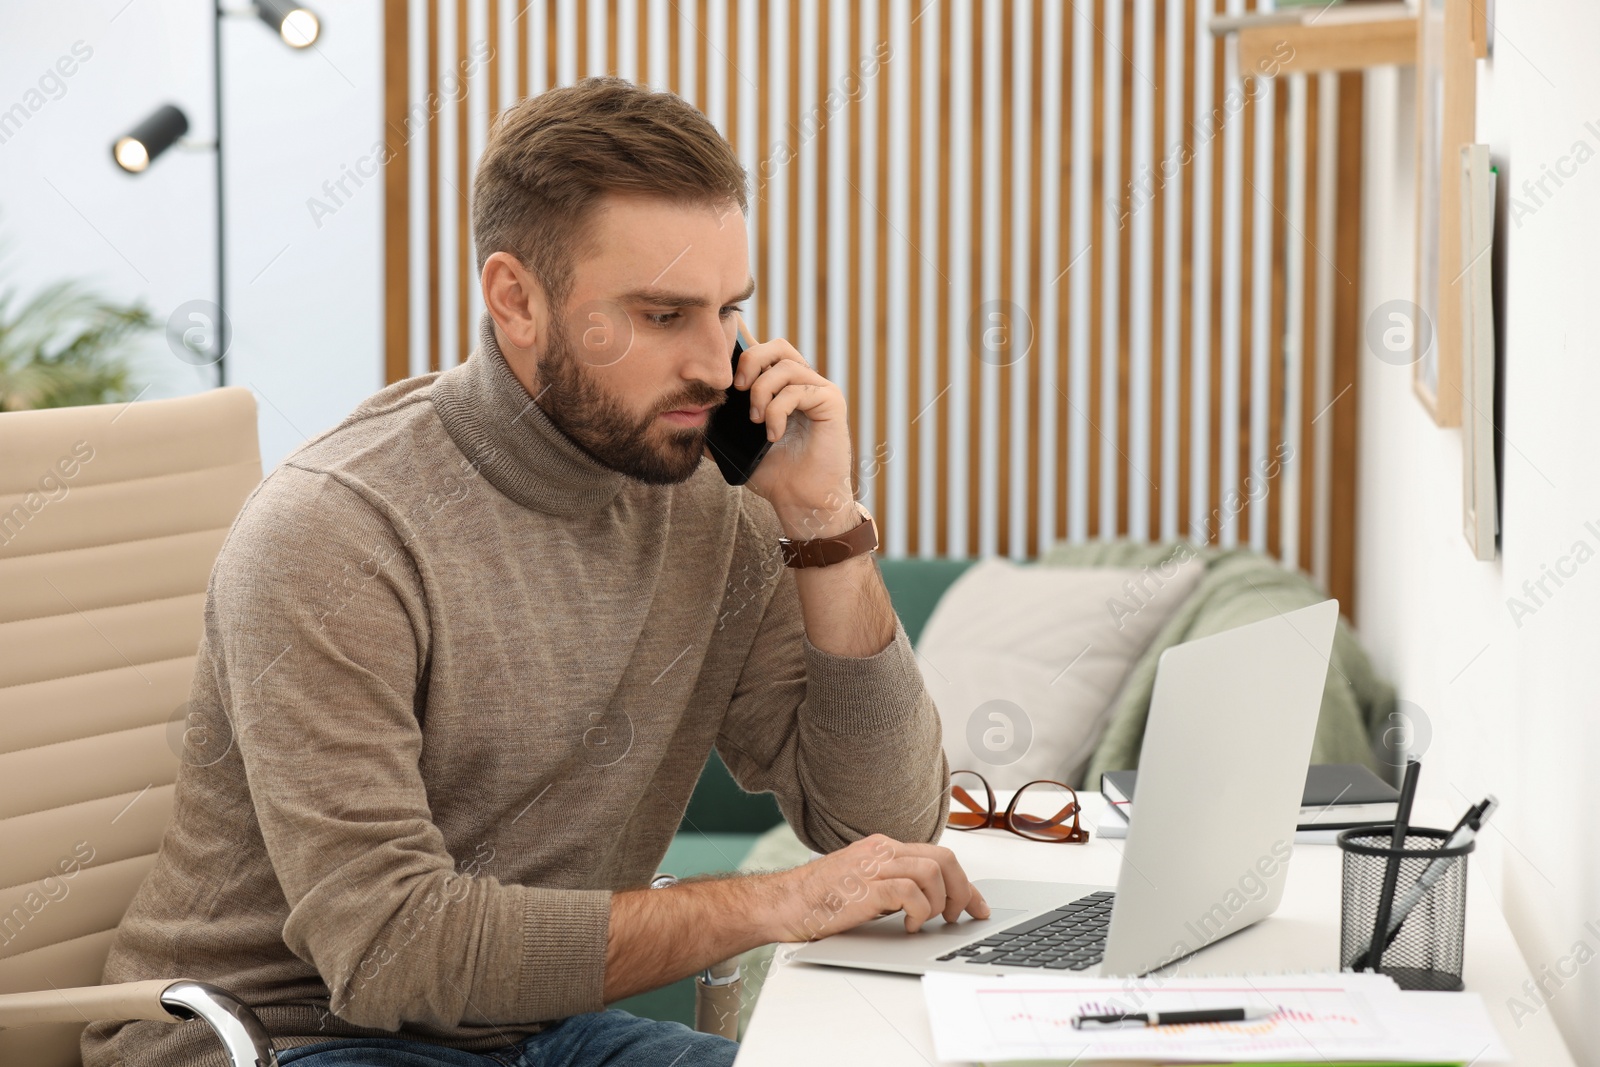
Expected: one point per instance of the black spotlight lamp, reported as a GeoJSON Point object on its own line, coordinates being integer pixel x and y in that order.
{"type": "Point", "coordinates": [135, 149]}
{"type": "Point", "coordinates": [298, 26]}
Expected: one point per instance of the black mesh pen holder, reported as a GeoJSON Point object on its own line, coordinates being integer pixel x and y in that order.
{"type": "Point", "coordinates": [1425, 952]}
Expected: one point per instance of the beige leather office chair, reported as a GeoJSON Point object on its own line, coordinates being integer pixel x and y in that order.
{"type": "Point", "coordinates": [110, 520]}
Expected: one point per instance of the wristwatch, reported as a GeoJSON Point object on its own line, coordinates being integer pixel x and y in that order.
{"type": "Point", "coordinates": [823, 551]}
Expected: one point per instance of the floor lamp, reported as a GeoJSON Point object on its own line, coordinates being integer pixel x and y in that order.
{"type": "Point", "coordinates": [135, 150]}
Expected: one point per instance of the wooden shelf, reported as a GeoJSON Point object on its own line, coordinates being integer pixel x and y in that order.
{"type": "Point", "coordinates": [1339, 37]}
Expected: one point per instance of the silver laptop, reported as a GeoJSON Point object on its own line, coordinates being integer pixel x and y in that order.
{"type": "Point", "coordinates": [1221, 773]}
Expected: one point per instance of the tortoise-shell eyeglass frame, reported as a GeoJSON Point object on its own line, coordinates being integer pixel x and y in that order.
{"type": "Point", "coordinates": [967, 813]}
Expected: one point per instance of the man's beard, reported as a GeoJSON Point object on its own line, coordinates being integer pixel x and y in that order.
{"type": "Point", "coordinates": [601, 427]}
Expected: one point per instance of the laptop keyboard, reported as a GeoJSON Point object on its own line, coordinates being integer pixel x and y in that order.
{"type": "Point", "coordinates": [1072, 937]}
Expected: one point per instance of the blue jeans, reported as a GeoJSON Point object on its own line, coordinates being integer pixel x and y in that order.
{"type": "Point", "coordinates": [610, 1038]}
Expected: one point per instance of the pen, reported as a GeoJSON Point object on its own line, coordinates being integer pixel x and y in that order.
{"type": "Point", "coordinates": [1175, 1018]}
{"type": "Point", "coordinates": [1464, 832]}
{"type": "Point", "coordinates": [1373, 957]}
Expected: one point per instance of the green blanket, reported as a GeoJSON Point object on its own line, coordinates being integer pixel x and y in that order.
{"type": "Point", "coordinates": [1239, 586]}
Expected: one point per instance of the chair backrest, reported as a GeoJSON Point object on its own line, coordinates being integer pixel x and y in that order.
{"type": "Point", "coordinates": [111, 517]}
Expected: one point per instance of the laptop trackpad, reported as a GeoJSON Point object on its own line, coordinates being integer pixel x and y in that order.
{"type": "Point", "coordinates": [964, 929]}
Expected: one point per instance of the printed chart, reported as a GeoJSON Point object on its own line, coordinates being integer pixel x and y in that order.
{"type": "Point", "coordinates": [1314, 1018]}
{"type": "Point", "coordinates": [1307, 1018]}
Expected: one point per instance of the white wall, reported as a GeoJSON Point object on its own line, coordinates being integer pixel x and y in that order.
{"type": "Point", "coordinates": [306, 324]}
{"type": "Point", "coordinates": [1511, 708]}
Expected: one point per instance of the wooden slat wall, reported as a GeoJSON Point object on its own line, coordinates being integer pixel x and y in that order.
{"type": "Point", "coordinates": [1078, 277]}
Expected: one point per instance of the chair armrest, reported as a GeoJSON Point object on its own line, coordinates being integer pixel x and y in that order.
{"type": "Point", "coordinates": [126, 1000]}
{"type": "Point", "coordinates": [718, 995]}
{"type": "Point", "coordinates": [166, 1000]}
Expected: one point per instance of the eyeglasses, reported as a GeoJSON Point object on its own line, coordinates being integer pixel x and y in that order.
{"type": "Point", "coordinates": [1034, 813]}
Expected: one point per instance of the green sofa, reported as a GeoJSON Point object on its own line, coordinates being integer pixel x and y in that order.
{"type": "Point", "coordinates": [723, 822]}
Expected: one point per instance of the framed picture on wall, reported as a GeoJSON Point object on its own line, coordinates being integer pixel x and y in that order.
{"type": "Point", "coordinates": [1447, 78]}
{"type": "Point", "coordinates": [1430, 141]}
{"type": "Point", "coordinates": [1479, 511]}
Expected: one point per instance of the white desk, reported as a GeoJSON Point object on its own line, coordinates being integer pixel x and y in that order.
{"type": "Point", "coordinates": [815, 1015]}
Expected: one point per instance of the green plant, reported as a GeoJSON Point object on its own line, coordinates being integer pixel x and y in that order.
{"type": "Point", "coordinates": [64, 346]}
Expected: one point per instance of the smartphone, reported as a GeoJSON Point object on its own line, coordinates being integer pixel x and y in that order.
{"type": "Point", "coordinates": [737, 443]}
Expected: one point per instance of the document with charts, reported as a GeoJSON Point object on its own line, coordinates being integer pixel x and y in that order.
{"type": "Point", "coordinates": [1318, 1018]}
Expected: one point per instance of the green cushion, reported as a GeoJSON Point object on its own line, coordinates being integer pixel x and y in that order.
{"type": "Point", "coordinates": [915, 586]}
{"type": "Point", "coordinates": [694, 853]}
{"type": "Point", "coordinates": [670, 1004]}
{"type": "Point", "coordinates": [719, 806]}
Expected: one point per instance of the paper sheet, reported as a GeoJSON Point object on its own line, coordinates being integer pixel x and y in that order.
{"type": "Point", "coordinates": [1320, 1017]}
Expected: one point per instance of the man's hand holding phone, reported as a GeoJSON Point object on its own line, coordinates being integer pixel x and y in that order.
{"type": "Point", "coordinates": [805, 473]}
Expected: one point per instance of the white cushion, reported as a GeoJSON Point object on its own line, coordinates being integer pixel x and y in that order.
{"type": "Point", "coordinates": [1023, 662]}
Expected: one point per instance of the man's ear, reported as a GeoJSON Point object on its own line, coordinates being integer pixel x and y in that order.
{"type": "Point", "coordinates": [515, 300]}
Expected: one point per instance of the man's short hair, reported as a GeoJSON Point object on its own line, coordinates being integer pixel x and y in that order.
{"type": "Point", "coordinates": [551, 158]}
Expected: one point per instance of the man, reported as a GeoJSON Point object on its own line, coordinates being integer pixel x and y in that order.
{"type": "Point", "coordinates": [466, 653]}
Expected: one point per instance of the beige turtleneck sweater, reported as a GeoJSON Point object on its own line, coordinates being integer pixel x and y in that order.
{"type": "Point", "coordinates": [472, 677]}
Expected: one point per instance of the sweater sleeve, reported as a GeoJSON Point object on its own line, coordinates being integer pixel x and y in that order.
{"type": "Point", "coordinates": [850, 746]}
{"type": "Point", "coordinates": [318, 633]}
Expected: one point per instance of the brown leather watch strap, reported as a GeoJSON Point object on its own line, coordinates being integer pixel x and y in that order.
{"type": "Point", "coordinates": [822, 551]}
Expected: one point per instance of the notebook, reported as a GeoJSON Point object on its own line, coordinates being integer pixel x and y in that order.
{"type": "Point", "coordinates": [1337, 796]}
